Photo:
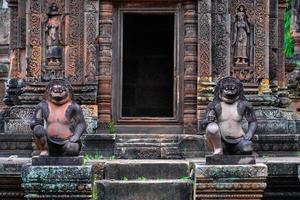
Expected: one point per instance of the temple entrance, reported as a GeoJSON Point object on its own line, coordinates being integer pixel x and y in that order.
{"type": "Point", "coordinates": [148, 65]}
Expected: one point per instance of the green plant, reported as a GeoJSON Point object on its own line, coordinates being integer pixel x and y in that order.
{"type": "Point", "coordinates": [142, 178]}
{"type": "Point", "coordinates": [88, 157]}
{"type": "Point", "coordinates": [288, 41]}
{"type": "Point", "coordinates": [185, 178]}
{"type": "Point", "coordinates": [111, 127]}
{"type": "Point", "coordinates": [298, 63]}
{"type": "Point", "coordinates": [125, 178]}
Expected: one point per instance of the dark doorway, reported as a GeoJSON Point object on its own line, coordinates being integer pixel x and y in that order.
{"type": "Point", "coordinates": [148, 65]}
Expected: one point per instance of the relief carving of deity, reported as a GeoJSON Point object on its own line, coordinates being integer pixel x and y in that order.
{"type": "Point", "coordinates": [53, 36]}
{"type": "Point", "coordinates": [240, 38]}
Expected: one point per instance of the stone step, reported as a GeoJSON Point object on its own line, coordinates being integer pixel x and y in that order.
{"type": "Point", "coordinates": [144, 190]}
{"type": "Point", "coordinates": [147, 146]}
{"type": "Point", "coordinates": [146, 137]}
{"type": "Point", "coordinates": [147, 152]}
{"type": "Point", "coordinates": [149, 169]}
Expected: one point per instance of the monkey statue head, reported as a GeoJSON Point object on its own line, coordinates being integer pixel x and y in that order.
{"type": "Point", "coordinates": [229, 90]}
{"type": "Point", "coordinates": [59, 91]}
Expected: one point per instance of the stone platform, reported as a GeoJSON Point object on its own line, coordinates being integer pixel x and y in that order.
{"type": "Point", "coordinates": [230, 181]}
{"type": "Point", "coordinates": [57, 182]}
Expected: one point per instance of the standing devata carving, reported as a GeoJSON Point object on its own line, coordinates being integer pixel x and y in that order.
{"type": "Point", "coordinates": [53, 36]}
{"type": "Point", "coordinates": [64, 121]}
{"type": "Point", "coordinates": [240, 38]}
{"type": "Point", "coordinates": [223, 119]}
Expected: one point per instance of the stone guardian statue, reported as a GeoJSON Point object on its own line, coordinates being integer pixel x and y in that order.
{"type": "Point", "coordinates": [223, 119]}
{"type": "Point", "coordinates": [58, 121]}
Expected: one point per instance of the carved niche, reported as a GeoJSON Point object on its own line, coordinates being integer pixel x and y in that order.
{"type": "Point", "coordinates": [249, 49]}
{"type": "Point", "coordinates": [242, 38]}
{"type": "Point", "coordinates": [63, 40]}
{"type": "Point", "coordinates": [53, 44]}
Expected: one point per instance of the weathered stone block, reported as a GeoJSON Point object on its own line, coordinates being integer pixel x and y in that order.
{"type": "Point", "coordinates": [230, 160]}
{"type": "Point", "coordinates": [50, 161]}
{"type": "Point", "coordinates": [10, 178]}
{"type": "Point", "coordinates": [282, 180]}
{"type": "Point", "coordinates": [57, 182]}
{"type": "Point", "coordinates": [230, 181]}
{"type": "Point", "coordinates": [15, 144]}
{"type": "Point", "coordinates": [149, 169]}
{"type": "Point", "coordinates": [144, 190]}
{"type": "Point", "coordinates": [101, 144]}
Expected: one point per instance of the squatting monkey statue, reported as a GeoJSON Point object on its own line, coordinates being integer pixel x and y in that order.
{"type": "Point", "coordinates": [58, 121]}
{"type": "Point", "coordinates": [223, 119]}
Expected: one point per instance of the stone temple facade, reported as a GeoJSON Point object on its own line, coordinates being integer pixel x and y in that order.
{"type": "Point", "coordinates": [144, 71]}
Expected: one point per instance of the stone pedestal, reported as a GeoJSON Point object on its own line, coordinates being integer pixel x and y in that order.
{"type": "Point", "coordinates": [230, 181]}
{"type": "Point", "coordinates": [57, 182]}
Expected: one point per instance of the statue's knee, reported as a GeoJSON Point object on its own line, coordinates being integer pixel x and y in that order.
{"type": "Point", "coordinates": [71, 149]}
{"type": "Point", "coordinates": [245, 147]}
{"type": "Point", "coordinates": [39, 131]}
{"type": "Point", "coordinates": [212, 129]}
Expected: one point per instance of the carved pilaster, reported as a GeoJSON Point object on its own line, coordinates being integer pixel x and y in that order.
{"type": "Point", "coordinates": [105, 61]}
{"type": "Point", "coordinates": [91, 18]}
{"type": "Point", "coordinates": [190, 67]}
{"type": "Point", "coordinates": [34, 70]}
{"type": "Point", "coordinates": [221, 39]}
{"type": "Point", "coordinates": [273, 39]}
{"type": "Point", "coordinates": [204, 85]}
{"type": "Point", "coordinates": [75, 42]}
{"type": "Point", "coordinates": [261, 40]}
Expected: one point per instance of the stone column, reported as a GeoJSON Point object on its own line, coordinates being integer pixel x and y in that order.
{"type": "Point", "coordinates": [105, 62]}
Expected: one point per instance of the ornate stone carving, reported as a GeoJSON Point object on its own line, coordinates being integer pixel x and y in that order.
{"type": "Point", "coordinates": [190, 67]}
{"type": "Point", "coordinates": [74, 65]}
{"type": "Point", "coordinates": [91, 33]}
{"type": "Point", "coordinates": [221, 39]}
{"type": "Point", "coordinates": [105, 62]}
{"type": "Point", "coordinates": [53, 44]}
{"type": "Point", "coordinates": [255, 29]}
{"type": "Point", "coordinates": [35, 41]}
{"type": "Point", "coordinates": [204, 39]}
{"type": "Point", "coordinates": [241, 34]}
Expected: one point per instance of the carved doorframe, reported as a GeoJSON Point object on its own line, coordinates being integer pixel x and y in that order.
{"type": "Point", "coordinates": [118, 12]}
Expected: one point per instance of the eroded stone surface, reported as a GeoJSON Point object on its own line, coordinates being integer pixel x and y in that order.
{"type": "Point", "coordinates": [230, 181]}
{"type": "Point", "coordinates": [144, 190]}
{"type": "Point", "coordinates": [57, 182]}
